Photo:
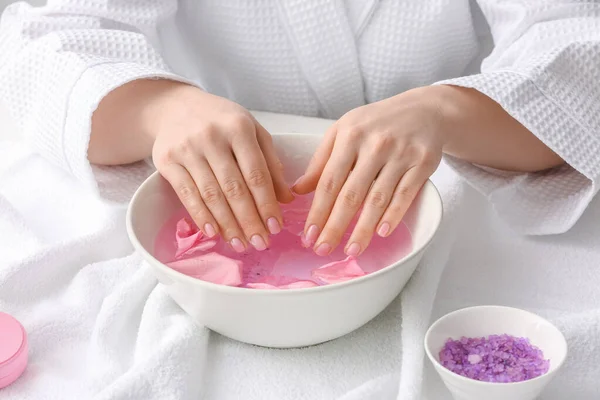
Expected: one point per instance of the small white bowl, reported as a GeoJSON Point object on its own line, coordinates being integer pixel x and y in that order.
{"type": "Point", "coordinates": [280, 318]}
{"type": "Point", "coordinates": [483, 321]}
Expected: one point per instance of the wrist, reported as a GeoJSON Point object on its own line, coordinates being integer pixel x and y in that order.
{"type": "Point", "coordinates": [158, 101]}
{"type": "Point", "coordinates": [444, 100]}
{"type": "Point", "coordinates": [128, 119]}
{"type": "Point", "coordinates": [438, 104]}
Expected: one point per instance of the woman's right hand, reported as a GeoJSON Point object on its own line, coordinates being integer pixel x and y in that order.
{"type": "Point", "coordinates": [222, 164]}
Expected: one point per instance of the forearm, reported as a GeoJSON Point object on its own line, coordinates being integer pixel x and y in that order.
{"type": "Point", "coordinates": [478, 130]}
{"type": "Point", "coordinates": [126, 121]}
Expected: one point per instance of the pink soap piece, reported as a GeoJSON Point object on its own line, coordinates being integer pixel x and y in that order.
{"type": "Point", "coordinates": [299, 285]}
{"type": "Point", "coordinates": [211, 267]}
{"type": "Point", "coordinates": [190, 239]}
{"type": "Point", "coordinates": [278, 281]}
{"type": "Point", "coordinates": [338, 271]}
{"type": "Point", "coordinates": [13, 350]}
{"type": "Point", "coordinates": [185, 228]}
{"type": "Point", "coordinates": [261, 285]}
{"type": "Point", "coordinates": [292, 285]}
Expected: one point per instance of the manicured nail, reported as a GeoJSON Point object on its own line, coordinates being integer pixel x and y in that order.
{"type": "Point", "coordinates": [303, 240]}
{"type": "Point", "coordinates": [312, 234]}
{"type": "Point", "coordinates": [353, 250]}
{"type": "Point", "coordinates": [323, 249]}
{"type": "Point", "coordinates": [209, 230]}
{"type": "Point", "coordinates": [384, 229]}
{"type": "Point", "coordinates": [273, 226]}
{"type": "Point", "coordinates": [237, 245]}
{"type": "Point", "coordinates": [258, 242]}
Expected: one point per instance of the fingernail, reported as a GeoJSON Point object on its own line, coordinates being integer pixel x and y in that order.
{"type": "Point", "coordinates": [305, 243]}
{"type": "Point", "coordinates": [237, 245]}
{"type": "Point", "coordinates": [384, 229]}
{"type": "Point", "coordinates": [353, 250]}
{"type": "Point", "coordinates": [258, 242]}
{"type": "Point", "coordinates": [209, 230]}
{"type": "Point", "coordinates": [273, 225]}
{"type": "Point", "coordinates": [312, 234]}
{"type": "Point", "coordinates": [323, 249]}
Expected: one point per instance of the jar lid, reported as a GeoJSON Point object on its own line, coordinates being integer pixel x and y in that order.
{"type": "Point", "coordinates": [13, 349]}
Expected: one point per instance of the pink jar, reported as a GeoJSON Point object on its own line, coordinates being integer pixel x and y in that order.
{"type": "Point", "coordinates": [13, 349]}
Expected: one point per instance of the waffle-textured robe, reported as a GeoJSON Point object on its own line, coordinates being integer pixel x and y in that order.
{"type": "Point", "coordinates": [321, 58]}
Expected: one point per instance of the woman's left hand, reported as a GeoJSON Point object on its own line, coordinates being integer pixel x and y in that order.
{"type": "Point", "coordinates": [377, 157]}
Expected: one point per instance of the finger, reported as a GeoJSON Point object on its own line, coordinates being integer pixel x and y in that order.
{"type": "Point", "coordinates": [214, 200]}
{"type": "Point", "coordinates": [376, 202]}
{"type": "Point", "coordinates": [328, 188]}
{"type": "Point", "coordinates": [258, 179]}
{"type": "Point", "coordinates": [347, 204]}
{"type": "Point", "coordinates": [187, 191]}
{"type": "Point", "coordinates": [409, 186]}
{"type": "Point", "coordinates": [234, 188]}
{"type": "Point", "coordinates": [308, 182]}
{"type": "Point", "coordinates": [275, 166]}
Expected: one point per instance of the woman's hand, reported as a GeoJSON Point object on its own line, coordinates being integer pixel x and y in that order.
{"type": "Point", "coordinates": [377, 157]}
{"type": "Point", "coordinates": [222, 165]}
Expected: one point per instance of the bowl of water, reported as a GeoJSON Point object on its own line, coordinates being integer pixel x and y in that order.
{"type": "Point", "coordinates": [294, 317]}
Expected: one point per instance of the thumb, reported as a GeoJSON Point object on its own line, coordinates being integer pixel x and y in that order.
{"type": "Point", "coordinates": [308, 182]}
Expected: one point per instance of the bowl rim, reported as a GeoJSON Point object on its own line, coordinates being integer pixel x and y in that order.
{"type": "Point", "coordinates": [470, 381]}
{"type": "Point", "coordinates": [147, 256]}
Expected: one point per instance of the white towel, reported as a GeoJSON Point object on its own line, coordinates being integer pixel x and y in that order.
{"type": "Point", "coordinates": [101, 328]}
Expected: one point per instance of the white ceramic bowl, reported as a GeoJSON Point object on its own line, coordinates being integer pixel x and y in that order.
{"type": "Point", "coordinates": [280, 318]}
{"type": "Point", "coordinates": [483, 321]}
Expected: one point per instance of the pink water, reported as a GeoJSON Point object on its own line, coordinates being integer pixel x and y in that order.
{"type": "Point", "coordinates": [285, 260]}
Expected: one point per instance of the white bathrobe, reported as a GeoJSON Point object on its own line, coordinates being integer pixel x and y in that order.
{"type": "Point", "coordinates": [321, 58]}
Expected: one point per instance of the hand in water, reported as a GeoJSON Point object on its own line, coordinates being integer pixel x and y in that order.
{"type": "Point", "coordinates": [377, 156]}
{"type": "Point", "coordinates": [222, 164]}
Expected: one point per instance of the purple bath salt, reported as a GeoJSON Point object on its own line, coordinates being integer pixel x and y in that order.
{"type": "Point", "coordinates": [497, 358]}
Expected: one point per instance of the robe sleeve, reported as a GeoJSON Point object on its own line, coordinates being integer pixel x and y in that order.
{"type": "Point", "coordinates": [544, 71]}
{"type": "Point", "coordinates": [58, 61]}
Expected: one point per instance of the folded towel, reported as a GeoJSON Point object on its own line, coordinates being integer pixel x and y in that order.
{"type": "Point", "coordinates": [100, 327]}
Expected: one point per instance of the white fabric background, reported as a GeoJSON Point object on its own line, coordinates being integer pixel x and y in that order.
{"type": "Point", "coordinates": [57, 63]}
{"type": "Point", "coordinates": [100, 328]}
